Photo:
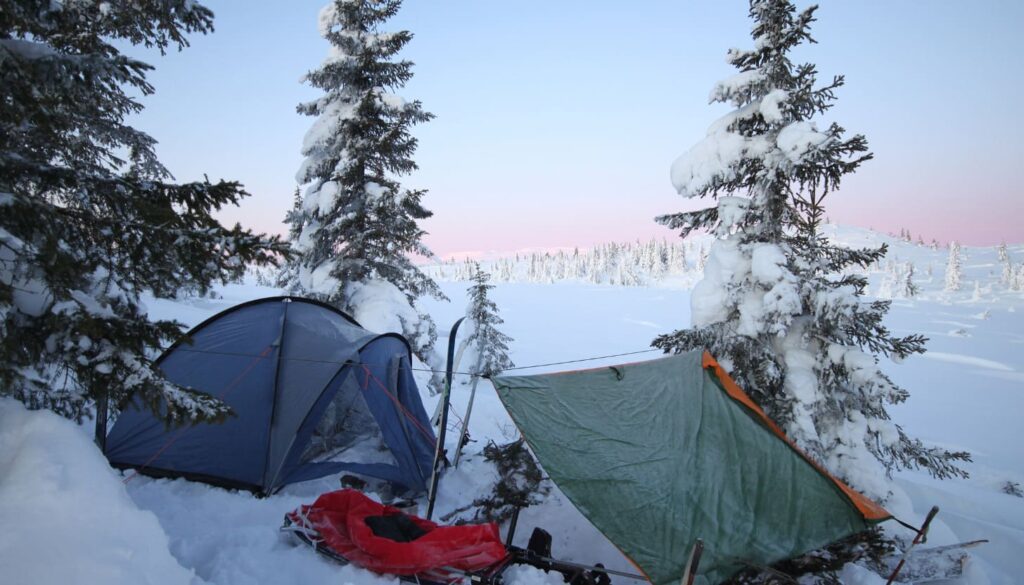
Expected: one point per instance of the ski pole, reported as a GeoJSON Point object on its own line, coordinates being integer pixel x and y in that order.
{"type": "Point", "coordinates": [921, 534]}
{"type": "Point", "coordinates": [690, 572]}
{"type": "Point", "coordinates": [469, 411]}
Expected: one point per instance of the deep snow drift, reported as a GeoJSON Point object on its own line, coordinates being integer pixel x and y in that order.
{"type": "Point", "coordinates": [966, 393]}
{"type": "Point", "coordinates": [66, 515]}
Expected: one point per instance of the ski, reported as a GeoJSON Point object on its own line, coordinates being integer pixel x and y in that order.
{"type": "Point", "coordinates": [939, 563]}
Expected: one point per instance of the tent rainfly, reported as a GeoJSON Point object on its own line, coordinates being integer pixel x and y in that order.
{"type": "Point", "coordinates": [312, 393]}
{"type": "Point", "coordinates": [661, 453]}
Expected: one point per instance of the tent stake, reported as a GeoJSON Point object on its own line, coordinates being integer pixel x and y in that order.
{"type": "Point", "coordinates": [445, 397]}
{"type": "Point", "coordinates": [921, 535]}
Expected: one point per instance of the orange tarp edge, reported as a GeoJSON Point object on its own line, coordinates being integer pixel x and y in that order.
{"type": "Point", "coordinates": [868, 508]}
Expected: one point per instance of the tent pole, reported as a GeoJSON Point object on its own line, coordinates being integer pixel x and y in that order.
{"type": "Point", "coordinates": [445, 397]}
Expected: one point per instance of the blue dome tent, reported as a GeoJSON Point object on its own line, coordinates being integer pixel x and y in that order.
{"type": "Point", "coordinates": [312, 392]}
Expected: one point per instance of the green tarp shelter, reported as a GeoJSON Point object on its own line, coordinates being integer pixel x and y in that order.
{"type": "Point", "coordinates": [661, 453]}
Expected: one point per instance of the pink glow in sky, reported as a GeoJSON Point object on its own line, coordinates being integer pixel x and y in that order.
{"type": "Point", "coordinates": [557, 122]}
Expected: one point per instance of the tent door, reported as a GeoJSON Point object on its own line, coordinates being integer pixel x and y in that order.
{"type": "Point", "coordinates": [348, 431]}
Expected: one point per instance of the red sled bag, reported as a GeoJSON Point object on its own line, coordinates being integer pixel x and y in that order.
{"type": "Point", "coordinates": [386, 540]}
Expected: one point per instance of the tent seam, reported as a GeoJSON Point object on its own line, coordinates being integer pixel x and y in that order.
{"type": "Point", "coordinates": [273, 406]}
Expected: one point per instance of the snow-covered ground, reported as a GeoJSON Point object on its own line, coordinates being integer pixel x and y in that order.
{"type": "Point", "coordinates": [966, 393]}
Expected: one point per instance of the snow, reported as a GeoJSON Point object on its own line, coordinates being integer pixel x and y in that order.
{"type": "Point", "coordinates": [381, 306]}
{"type": "Point", "coordinates": [952, 404]}
{"type": "Point", "coordinates": [229, 537]}
{"type": "Point", "coordinates": [708, 302]}
{"type": "Point", "coordinates": [66, 515]}
{"type": "Point", "coordinates": [856, 575]}
{"type": "Point", "coordinates": [84, 301]}
{"type": "Point", "coordinates": [327, 19]}
{"type": "Point", "coordinates": [374, 192]}
{"type": "Point", "coordinates": [320, 200]}
{"type": "Point", "coordinates": [771, 105]}
{"type": "Point", "coordinates": [320, 280]}
{"type": "Point", "coordinates": [731, 211]}
{"type": "Point", "coordinates": [768, 264]}
{"type": "Point", "coordinates": [523, 575]}
{"type": "Point", "coordinates": [968, 360]}
{"type": "Point", "coordinates": [325, 127]}
{"type": "Point", "coordinates": [335, 55]}
{"type": "Point", "coordinates": [210, 535]}
{"type": "Point", "coordinates": [713, 159]}
{"type": "Point", "coordinates": [708, 161]}
{"type": "Point", "coordinates": [31, 297]}
{"type": "Point", "coordinates": [740, 83]}
{"type": "Point", "coordinates": [391, 100]}
{"type": "Point", "coordinates": [27, 49]}
{"type": "Point", "coordinates": [799, 138]}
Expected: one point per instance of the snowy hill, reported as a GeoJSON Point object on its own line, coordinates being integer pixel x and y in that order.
{"type": "Point", "coordinates": [679, 264]}
{"type": "Point", "coordinates": [654, 262]}
{"type": "Point", "coordinates": [967, 393]}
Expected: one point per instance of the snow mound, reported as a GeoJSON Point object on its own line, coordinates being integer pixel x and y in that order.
{"type": "Point", "coordinates": [380, 306]}
{"type": "Point", "coordinates": [856, 575]}
{"type": "Point", "coordinates": [526, 575]}
{"type": "Point", "coordinates": [66, 515]}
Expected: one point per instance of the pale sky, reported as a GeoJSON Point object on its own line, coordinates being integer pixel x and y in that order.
{"type": "Point", "coordinates": [557, 121]}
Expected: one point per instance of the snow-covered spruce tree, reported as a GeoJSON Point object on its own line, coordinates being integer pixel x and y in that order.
{"type": "Point", "coordinates": [953, 272]}
{"type": "Point", "coordinates": [976, 293]}
{"type": "Point", "coordinates": [677, 259]}
{"type": "Point", "coordinates": [907, 287]}
{"type": "Point", "coordinates": [702, 258]}
{"type": "Point", "coordinates": [887, 288]}
{"type": "Point", "coordinates": [658, 264]}
{"type": "Point", "coordinates": [491, 345]}
{"type": "Point", "coordinates": [1006, 277]}
{"type": "Point", "coordinates": [774, 305]}
{"type": "Point", "coordinates": [594, 266]}
{"type": "Point", "coordinates": [1017, 282]}
{"type": "Point", "coordinates": [89, 220]}
{"type": "Point", "coordinates": [288, 276]}
{"type": "Point", "coordinates": [359, 224]}
{"type": "Point", "coordinates": [898, 282]}
{"type": "Point", "coordinates": [625, 273]}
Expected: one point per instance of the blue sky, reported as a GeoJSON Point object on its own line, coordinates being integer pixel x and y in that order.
{"type": "Point", "coordinates": [557, 121]}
